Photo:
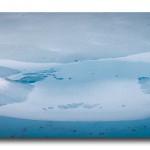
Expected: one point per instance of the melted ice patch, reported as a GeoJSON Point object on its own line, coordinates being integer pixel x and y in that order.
{"type": "Point", "coordinates": [145, 84]}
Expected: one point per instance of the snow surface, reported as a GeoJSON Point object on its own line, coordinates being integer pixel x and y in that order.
{"type": "Point", "coordinates": [98, 90]}
{"type": "Point", "coordinates": [75, 67]}
{"type": "Point", "coordinates": [142, 57]}
{"type": "Point", "coordinates": [64, 37]}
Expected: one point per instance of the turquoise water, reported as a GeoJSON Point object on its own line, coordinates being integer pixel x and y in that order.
{"type": "Point", "coordinates": [22, 128]}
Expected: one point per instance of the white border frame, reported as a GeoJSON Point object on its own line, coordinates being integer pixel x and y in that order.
{"type": "Point", "coordinates": [74, 5]}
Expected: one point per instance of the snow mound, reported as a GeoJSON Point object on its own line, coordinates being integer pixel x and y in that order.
{"type": "Point", "coordinates": [11, 92]}
{"type": "Point", "coordinates": [84, 91]}
{"type": "Point", "coordinates": [142, 57]}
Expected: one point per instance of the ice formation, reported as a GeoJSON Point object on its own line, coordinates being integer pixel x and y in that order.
{"type": "Point", "coordinates": [75, 67]}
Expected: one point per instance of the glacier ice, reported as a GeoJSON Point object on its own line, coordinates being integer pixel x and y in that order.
{"type": "Point", "coordinates": [145, 84]}
{"type": "Point", "coordinates": [75, 67]}
{"type": "Point", "coordinates": [98, 90]}
{"type": "Point", "coordinates": [12, 92]}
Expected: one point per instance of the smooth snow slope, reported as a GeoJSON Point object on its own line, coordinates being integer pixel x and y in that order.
{"type": "Point", "coordinates": [83, 91]}
{"type": "Point", "coordinates": [65, 37]}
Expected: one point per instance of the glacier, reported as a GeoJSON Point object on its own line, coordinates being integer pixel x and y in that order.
{"type": "Point", "coordinates": [93, 90]}
{"type": "Point", "coordinates": [75, 71]}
